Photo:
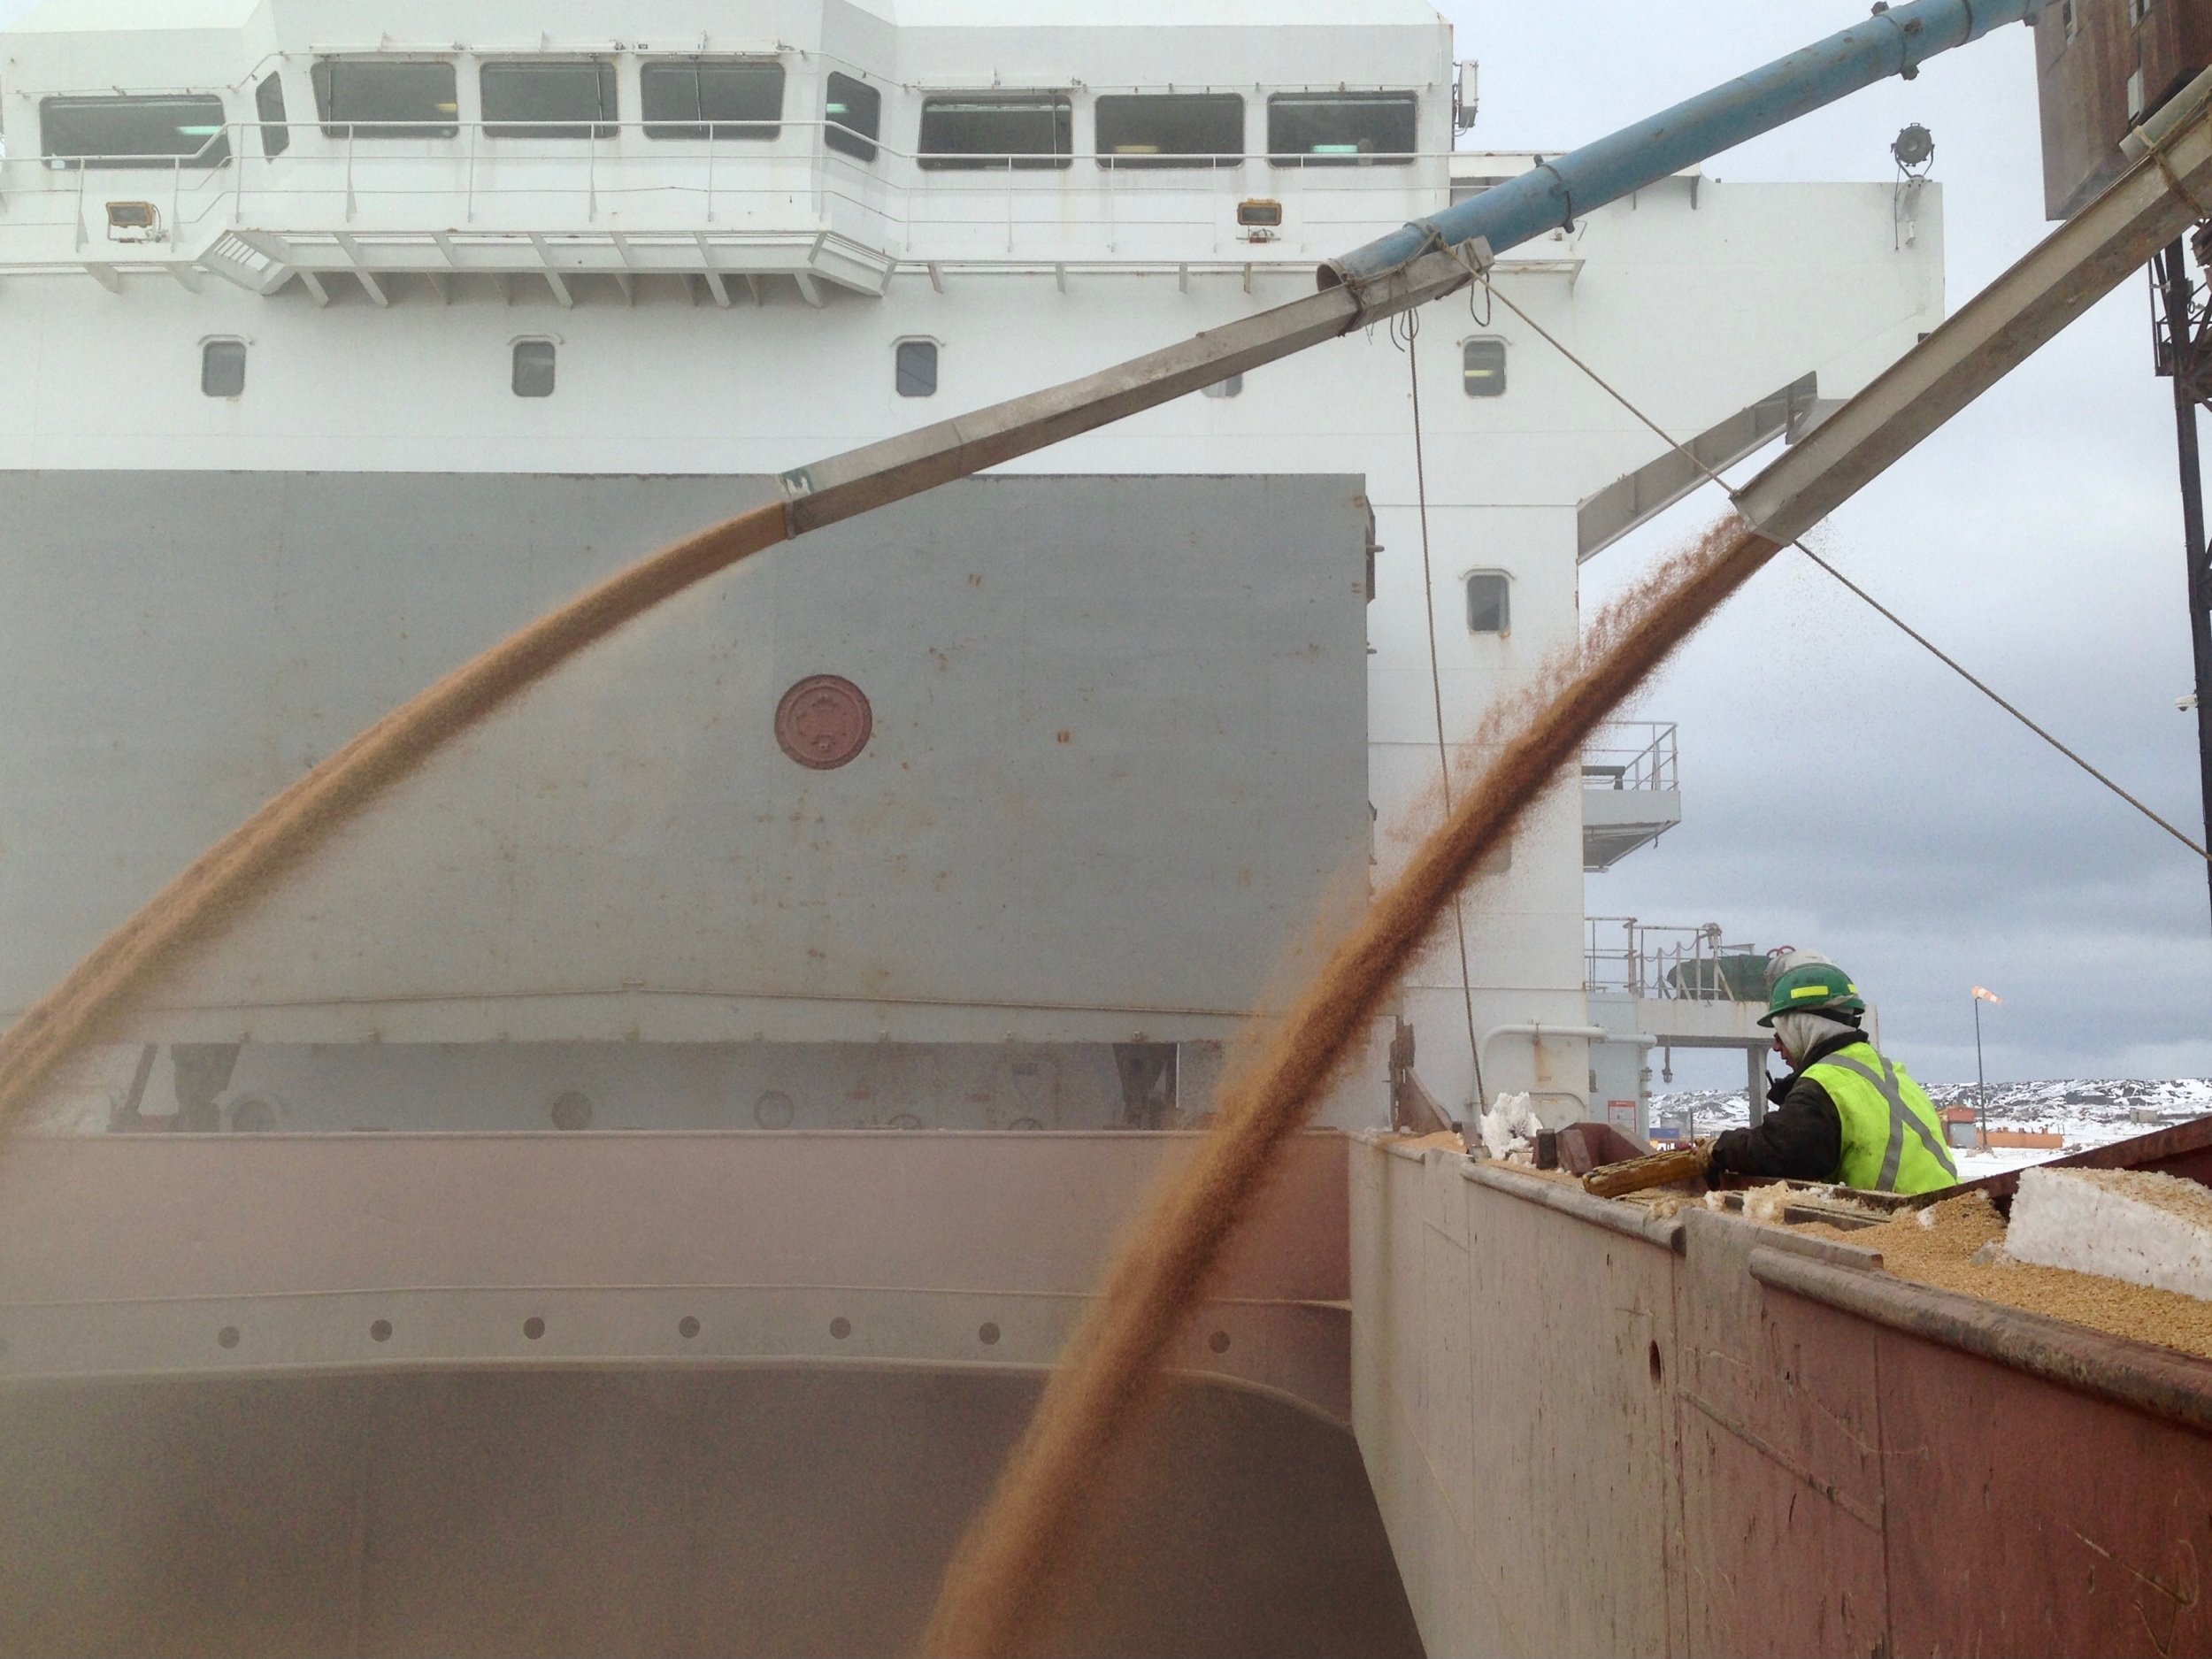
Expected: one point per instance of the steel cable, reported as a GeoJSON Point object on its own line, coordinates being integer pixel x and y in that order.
{"type": "Point", "coordinates": [1407, 337]}
{"type": "Point", "coordinates": [1483, 277]}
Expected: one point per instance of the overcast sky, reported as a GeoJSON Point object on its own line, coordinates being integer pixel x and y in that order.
{"type": "Point", "coordinates": [1842, 791]}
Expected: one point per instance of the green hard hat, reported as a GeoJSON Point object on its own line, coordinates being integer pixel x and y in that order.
{"type": "Point", "coordinates": [1818, 987]}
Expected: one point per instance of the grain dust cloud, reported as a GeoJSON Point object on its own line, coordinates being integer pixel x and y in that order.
{"type": "Point", "coordinates": [1003, 1583]}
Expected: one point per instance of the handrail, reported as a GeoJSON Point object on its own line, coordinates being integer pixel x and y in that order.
{"type": "Point", "coordinates": [906, 210]}
{"type": "Point", "coordinates": [1649, 762]}
{"type": "Point", "coordinates": [1670, 964]}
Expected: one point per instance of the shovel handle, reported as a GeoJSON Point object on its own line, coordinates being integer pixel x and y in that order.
{"type": "Point", "coordinates": [1661, 1169]}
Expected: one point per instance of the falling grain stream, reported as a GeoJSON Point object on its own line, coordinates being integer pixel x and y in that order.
{"type": "Point", "coordinates": [1006, 1576]}
{"type": "Point", "coordinates": [1008, 1572]}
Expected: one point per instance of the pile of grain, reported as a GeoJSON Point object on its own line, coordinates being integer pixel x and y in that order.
{"type": "Point", "coordinates": [1939, 1246]}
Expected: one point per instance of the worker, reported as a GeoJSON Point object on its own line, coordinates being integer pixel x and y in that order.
{"type": "Point", "coordinates": [1844, 1113]}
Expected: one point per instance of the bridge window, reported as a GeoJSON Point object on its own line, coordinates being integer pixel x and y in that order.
{"type": "Point", "coordinates": [1489, 602]}
{"type": "Point", "coordinates": [387, 97]}
{"type": "Point", "coordinates": [1340, 129]}
{"type": "Point", "coordinates": [1181, 129]}
{"type": "Point", "coordinates": [986, 129]}
{"type": "Point", "coordinates": [916, 368]}
{"type": "Point", "coordinates": [1234, 386]}
{"type": "Point", "coordinates": [268, 103]}
{"type": "Point", "coordinates": [1482, 368]}
{"type": "Point", "coordinates": [535, 364]}
{"type": "Point", "coordinates": [129, 132]}
{"type": "Point", "coordinates": [223, 368]}
{"type": "Point", "coordinates": [854, 111]}
{"type": "Point", "coordinates": [548, 99]}
{"type": "Point", "coordinates": [712, 97]}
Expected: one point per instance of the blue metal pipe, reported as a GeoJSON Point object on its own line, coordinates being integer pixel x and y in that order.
{"type": "Point", "coordinates": [1896, 40]}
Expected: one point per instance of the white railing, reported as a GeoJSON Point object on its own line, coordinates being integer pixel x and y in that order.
{"type": "Point", "coordinates": [611, 176]}
{"type": "Point", "coordinates": [1692, 965]}
{"type": "Point", "coordinates": [1632, 755]}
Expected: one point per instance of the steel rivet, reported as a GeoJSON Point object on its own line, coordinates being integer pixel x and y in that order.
{"type": "Point", "coordinates": [988, 1336]}
{"type": "Point", "coordinates": [840, 1328]}
{"type": "Point", "coordinates": [380, 1331]}
{"type": "Point", "coordinates": [534, 1327]}
{"type": "Point", "coordinates": [1218, 1341]}
{"type": "Point", "coordinates": [228, 1337]}
{"type": "Point", "coordinates": [688, 1327]}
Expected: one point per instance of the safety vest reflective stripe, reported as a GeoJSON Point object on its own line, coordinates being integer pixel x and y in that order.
{"type": "Point", "coordinates": [1902, 1117]}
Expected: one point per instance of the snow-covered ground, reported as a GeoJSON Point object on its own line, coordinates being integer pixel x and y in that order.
{"type": "Point", "coordinates": [2089, 1113]}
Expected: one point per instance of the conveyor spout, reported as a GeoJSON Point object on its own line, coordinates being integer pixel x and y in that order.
{"type": "Point", "coordinates": [1896, 40]}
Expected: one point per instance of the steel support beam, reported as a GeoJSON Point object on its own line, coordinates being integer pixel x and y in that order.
{"type": "Point", "coordinates": [552, 277]}
{"type": "Point", "coordinates": [2188, 365]}
{"type": "Point", "coordinates": [715, 284]}
{"type": "Point", "coordinates": [896, 468]}
{"type": "Point", "coordinates": [367, 279]}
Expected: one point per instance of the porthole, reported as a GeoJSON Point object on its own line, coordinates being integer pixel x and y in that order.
{"type": "Point", "coordinates": [915, 368]}
{"type": "Point", "coordinates": [222, 368]}
{"type": "Point", "coordinates": [1489, 602]}
{"type": "Point", "coordinates": [572, 1109]}
{"type": "Point", "coordinates": [534, 364]}
{"type": "Point", "coordinates": [1482, 367]}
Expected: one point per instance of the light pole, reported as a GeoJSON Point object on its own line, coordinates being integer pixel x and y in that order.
{"type": "Point", "coordinates": [1981, 1078]}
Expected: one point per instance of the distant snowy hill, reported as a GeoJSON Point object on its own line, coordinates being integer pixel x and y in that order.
{"type": "Point", "coordinates": [2088, 1112]}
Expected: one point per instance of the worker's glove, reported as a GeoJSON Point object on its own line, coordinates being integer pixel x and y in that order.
{"type": "Point", "coordinates": [1705, 1146]}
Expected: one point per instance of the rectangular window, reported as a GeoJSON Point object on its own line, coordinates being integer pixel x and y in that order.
{"type": "Point", "coordinates": [1489, 602]}
{"type": "Point", "coordinates": [712, 97]}
{"type": "Point", "coordinates": [387, 97]}
{"type": "Point", "coordinates": [1234, 386]}
{"type": "Point", "coordinates": [533, 370]}
{"type": "Point", "coordinates": [855, 112]}
{"type": "Point", "coordinates": [1482, 368]}
{"type": "Point", "coordinates": [223, 368]}
{"type": "Point", "coordinates": [128, 131]}
{"type": "Point", "coordinates": [268, 103]}
{"type": "Point", "coordinates": [988, 129]}
{"type": "Point", "coordinates": [916, 368]}
{"type": "Point", "coordinates": [1468, 190]}
{"type": "Point", "coordinates": [1340, 129]}
{"type": "Point", "coordinates": [546, 98]}
{"type": "Point", "coordinates": [1192, 130]}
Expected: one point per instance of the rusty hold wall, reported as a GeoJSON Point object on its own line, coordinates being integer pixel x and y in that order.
{"type": "Point", "coordinates": [1589, 1432]}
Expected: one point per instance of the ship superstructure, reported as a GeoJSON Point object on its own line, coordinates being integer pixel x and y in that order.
{"type": "Point", "coordinates": [346, 337]}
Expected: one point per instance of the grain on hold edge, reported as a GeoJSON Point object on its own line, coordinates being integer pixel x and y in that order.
{"type": "Point", "coordinates": [1001, 1589]}
{"type": "Point", "coordinates": [230, 876]}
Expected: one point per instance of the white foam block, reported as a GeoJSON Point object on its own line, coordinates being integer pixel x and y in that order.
{"type": "Point", "coordinates": [2154, 1230]}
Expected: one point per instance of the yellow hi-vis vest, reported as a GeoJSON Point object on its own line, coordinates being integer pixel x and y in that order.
{"type": "Point", "coordinates": [1892, 1140]}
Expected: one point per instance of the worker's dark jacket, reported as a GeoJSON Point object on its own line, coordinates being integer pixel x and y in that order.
{"type": "Point", "coordinates": [1801, 1139]}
